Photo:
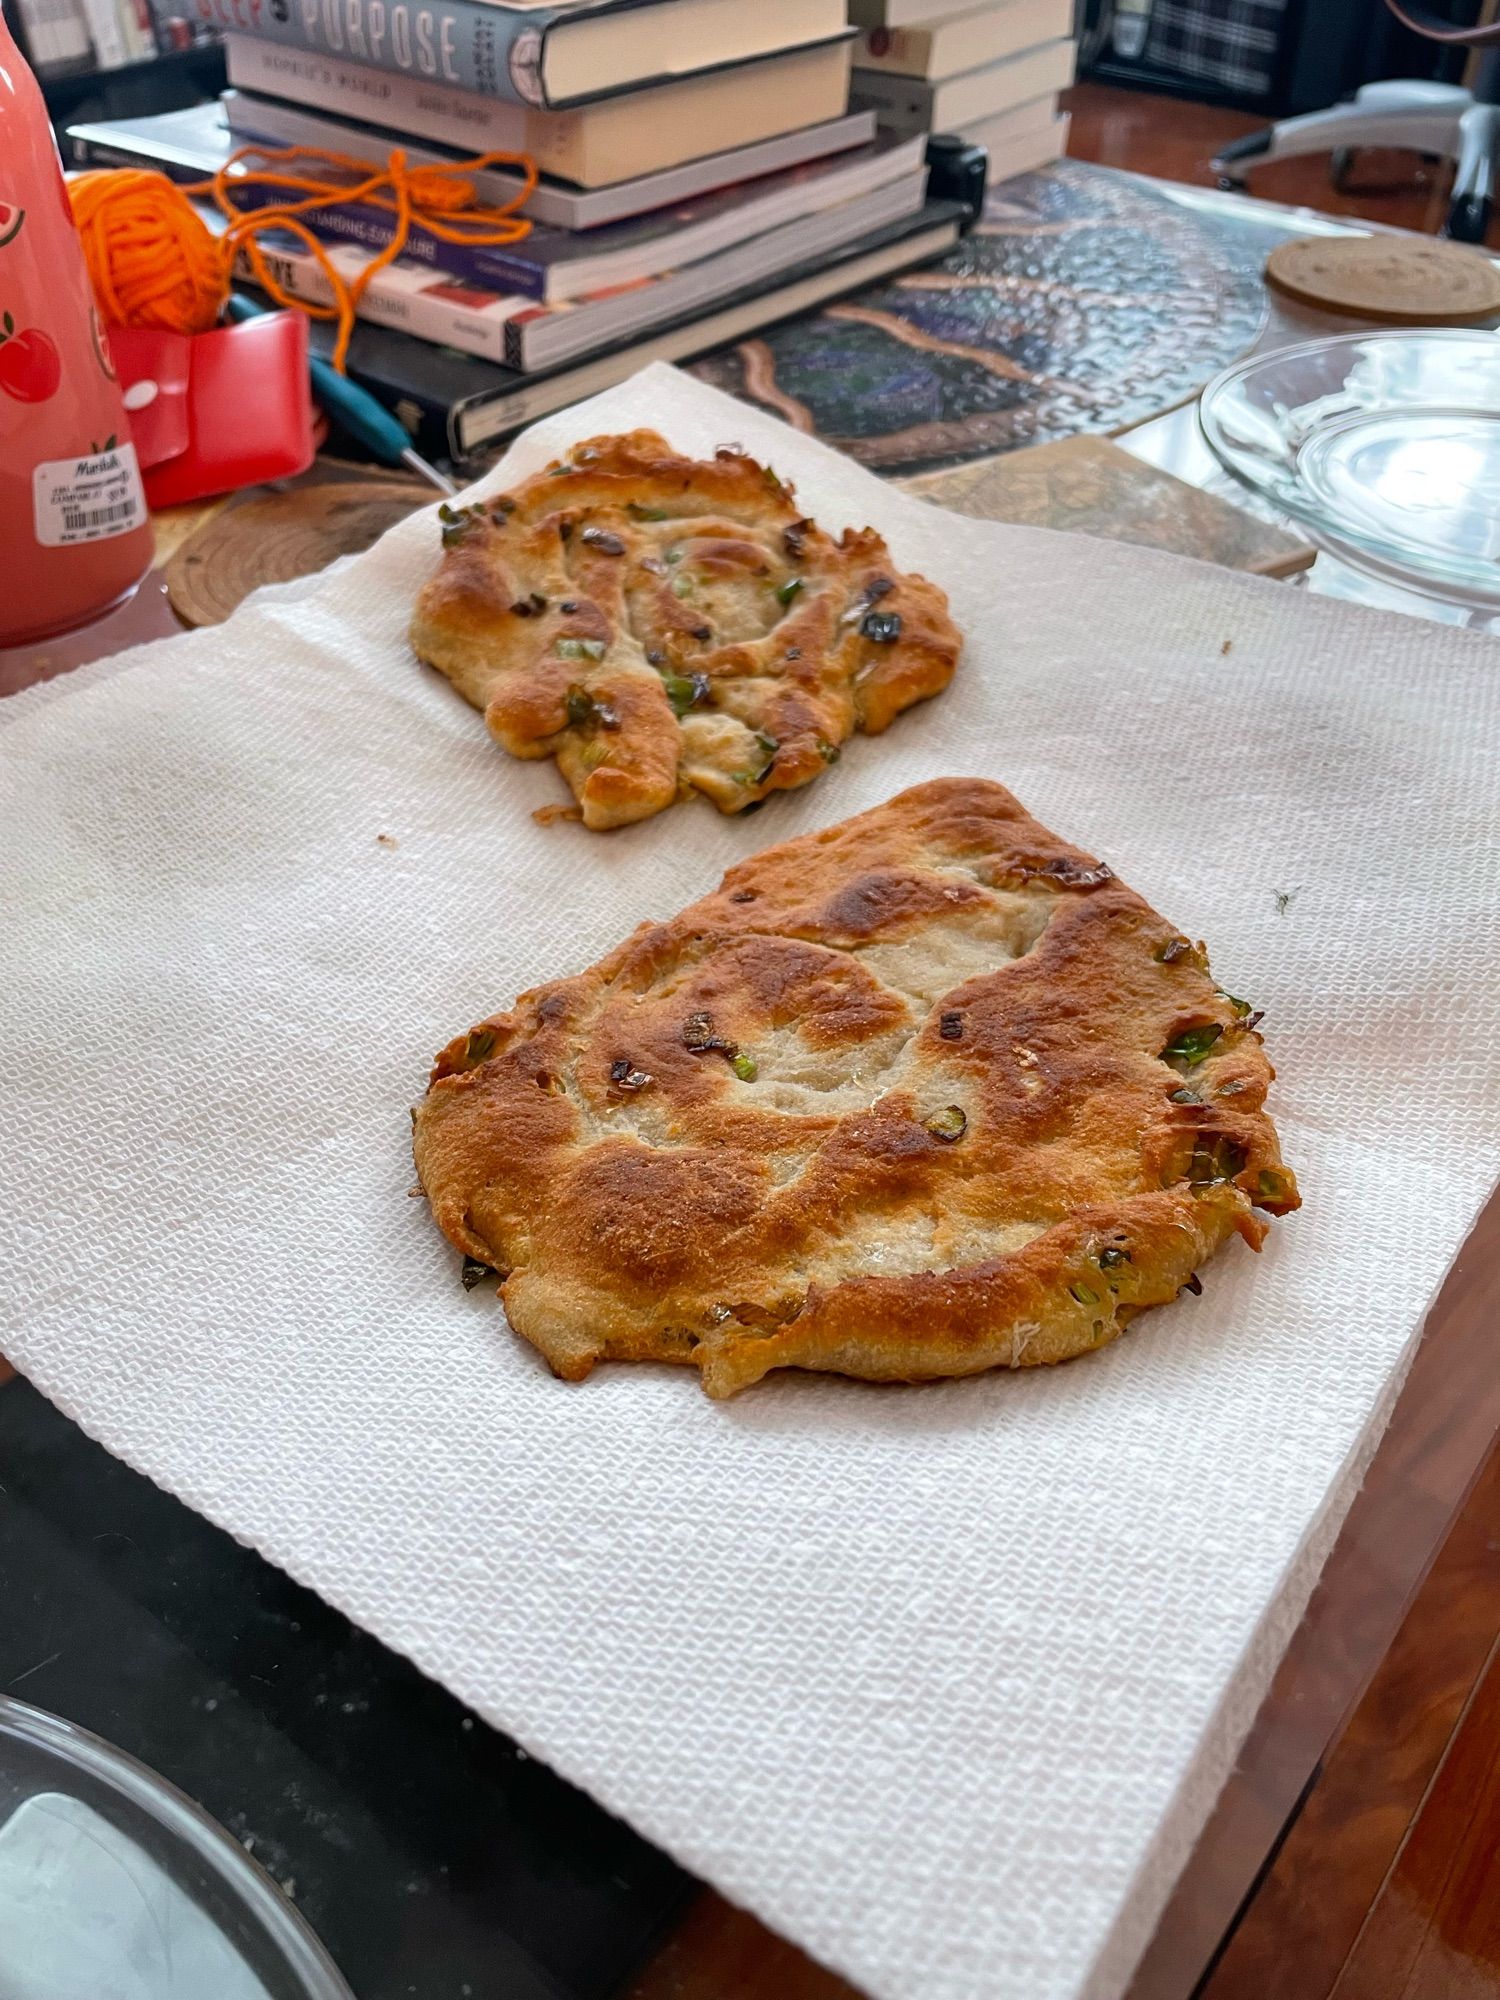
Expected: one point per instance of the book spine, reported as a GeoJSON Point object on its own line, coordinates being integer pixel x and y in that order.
{"type": "Point", "coordinates": [404, 103]}
{"type": "Point", "coordinates": [106, 33]}
{"type": "Point", "coordinates": [485, 266]}
{"type": "Point", "coordinates": [431, 309]}
{"type": "Point", "coordinates": [905, 51]}
{"type": "Point", "coordinates": [475, 45]}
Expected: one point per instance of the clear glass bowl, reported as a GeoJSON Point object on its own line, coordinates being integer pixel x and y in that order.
{"type": "Point", "coordinates": [1385, 445]}
{"type": "Point", "coordinates": [113, 1886]}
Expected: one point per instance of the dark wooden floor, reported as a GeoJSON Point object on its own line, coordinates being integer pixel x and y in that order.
{"type": "Point", "coordinates": [1175, 140]}
{"type": "Point", "coordinates": [1388, 1887]}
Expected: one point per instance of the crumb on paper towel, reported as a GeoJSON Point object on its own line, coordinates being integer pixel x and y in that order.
{"type": "Point", "coordinates": [1284, 898]}
{"type": "Point", "coordinates": [386, 840]}
{"type": "Point", "coordinates": [1227, 647]}
{"type": "Point", "coordinates": [550, 815]}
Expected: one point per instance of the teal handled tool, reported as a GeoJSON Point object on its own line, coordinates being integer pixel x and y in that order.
{"type": "Point", "coordinates": [355, 408]}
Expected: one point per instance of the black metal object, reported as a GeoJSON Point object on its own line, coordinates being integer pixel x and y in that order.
{"type": "Point", "coordinates": [957, 170]}
{"type": "Point", "coordinates": [429, 1853]}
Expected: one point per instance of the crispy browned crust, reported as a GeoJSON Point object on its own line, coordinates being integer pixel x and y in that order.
{"type": "Point", "coordinates": [605, 1147]}
{"type": "Point", "coordinates": [663, 625]}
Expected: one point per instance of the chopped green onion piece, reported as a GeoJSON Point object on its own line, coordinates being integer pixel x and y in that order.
{"type": "Point", "coordinates": [1272, 1185]}
{"type": "Point", "coordinates": [1085, 1294]}
{"type": "Point", "coordinates": [682, 586]}
{"type": "Point", "coordinates": [457, 522]}
{"type": "Point", "coordinates": [948, 1124]}
{"type": "Point", "coordinates": [479, 1044]}
{"type": "Point", "coordinates": [1192, 1044]}
{"type": "Point", "coordinates": [640, 513]}
{"type": "Point", "coordinates": [1112, 1258]}
{"type": "Point", "coordinates": [1179, 950]}
{"type": "Point", "coordinates": [744, 1067]}
{"type": "Point", "coordinates": [474, 1273]}
{"type": "Point", "coordinates": [581, 649]}
{"type": "Point", "coordinates": [785, 592]}
{"type": "Point", "coordinates": [1213, 1161]}
{"type": "Point", "coordinates": [685, 691]}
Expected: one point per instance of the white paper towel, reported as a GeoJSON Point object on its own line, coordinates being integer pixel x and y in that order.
{"type": "Point", "coordinates": [939, 1681]}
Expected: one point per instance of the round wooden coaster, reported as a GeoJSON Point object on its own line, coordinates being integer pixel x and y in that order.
{"type": "Point", "coordinates": [280, 536]}
{"type": "Point", "coordinates": [1401, 280]}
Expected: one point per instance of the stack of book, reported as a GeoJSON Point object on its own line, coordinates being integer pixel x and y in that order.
{"type": "Point", "coordinates": [61, 37]}
{"type": "Point", "coordinates": [989, 69]}
{"type": "Point", "coordinates": [701, 170]}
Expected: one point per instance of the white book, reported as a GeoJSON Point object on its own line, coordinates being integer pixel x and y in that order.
{"type": "Point", "coordinates": [1037, 114]}
{"type": "Point", "coordinates": [897, 13]}
{"type": "Point", "coordinates": [284, 124]}
{"type": "Point", "coordinates": [56, 32]}
{"type": "Point", "coordinates": [1014, 153]}
{"type": "Point", "coordinates": [106, 28]}
{"type": "Point", "coordinates": [611, 140]}
{"type": "Point", "coordinates": [907, 104]}
{"type": "Point", "coordinates": [413, 298]}
{"type": "Point", "coordinates": [965, 41]}
{"type": "Point", "coordinates": [40, 45]}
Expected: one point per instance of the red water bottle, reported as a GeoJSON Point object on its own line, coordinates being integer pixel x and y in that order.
{"type": "Point", "coordinates": [73, 529]}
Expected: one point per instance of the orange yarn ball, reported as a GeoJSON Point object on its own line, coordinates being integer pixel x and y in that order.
{"type": "Point", "coordinates": [152, 259]}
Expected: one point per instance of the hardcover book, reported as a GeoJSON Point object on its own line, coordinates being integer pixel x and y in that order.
{"type": "Point", "coordinates": [613, 140]}
{"type": "Point", "coordinates": [456, 406]}
{"type": "Point", "coordinates": [192, 144]}
{"type": "Point", "coordinates": [908, 104]}
{"type": "Point", "coordinates": [965, 41]}
{"type": "Point", "coordinates": [559, 266]}
{"type": "Point", "coordinates": [543, 54]}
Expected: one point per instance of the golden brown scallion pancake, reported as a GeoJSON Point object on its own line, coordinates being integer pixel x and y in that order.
{"type": "Point", "coordinates": [925, 1093]}
{"type": "Point", "coordinates": [664, 625]}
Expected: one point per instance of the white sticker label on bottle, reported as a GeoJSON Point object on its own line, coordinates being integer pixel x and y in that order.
{"type": "Point", "coordinates": [87, 499]}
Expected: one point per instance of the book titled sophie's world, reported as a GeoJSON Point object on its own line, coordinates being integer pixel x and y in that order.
{"type": "Point", "coordinates": [544, 54]}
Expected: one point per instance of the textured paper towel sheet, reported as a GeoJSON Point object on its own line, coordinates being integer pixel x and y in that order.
{"type": "Point", "coordinates": [940, 1681]}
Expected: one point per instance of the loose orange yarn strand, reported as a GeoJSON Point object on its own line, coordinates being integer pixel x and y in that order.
{"type": "Point", "coordinates": [155, 262]}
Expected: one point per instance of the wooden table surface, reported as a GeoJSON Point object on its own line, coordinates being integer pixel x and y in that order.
{"type": "Point", "coordinates": [1356, 1851]}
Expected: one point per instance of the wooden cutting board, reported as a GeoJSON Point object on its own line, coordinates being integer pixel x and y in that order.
{"type": "Point", "coordinates": [275, 537]}
{"type": "Point", "coordinates": [1397, 280]}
